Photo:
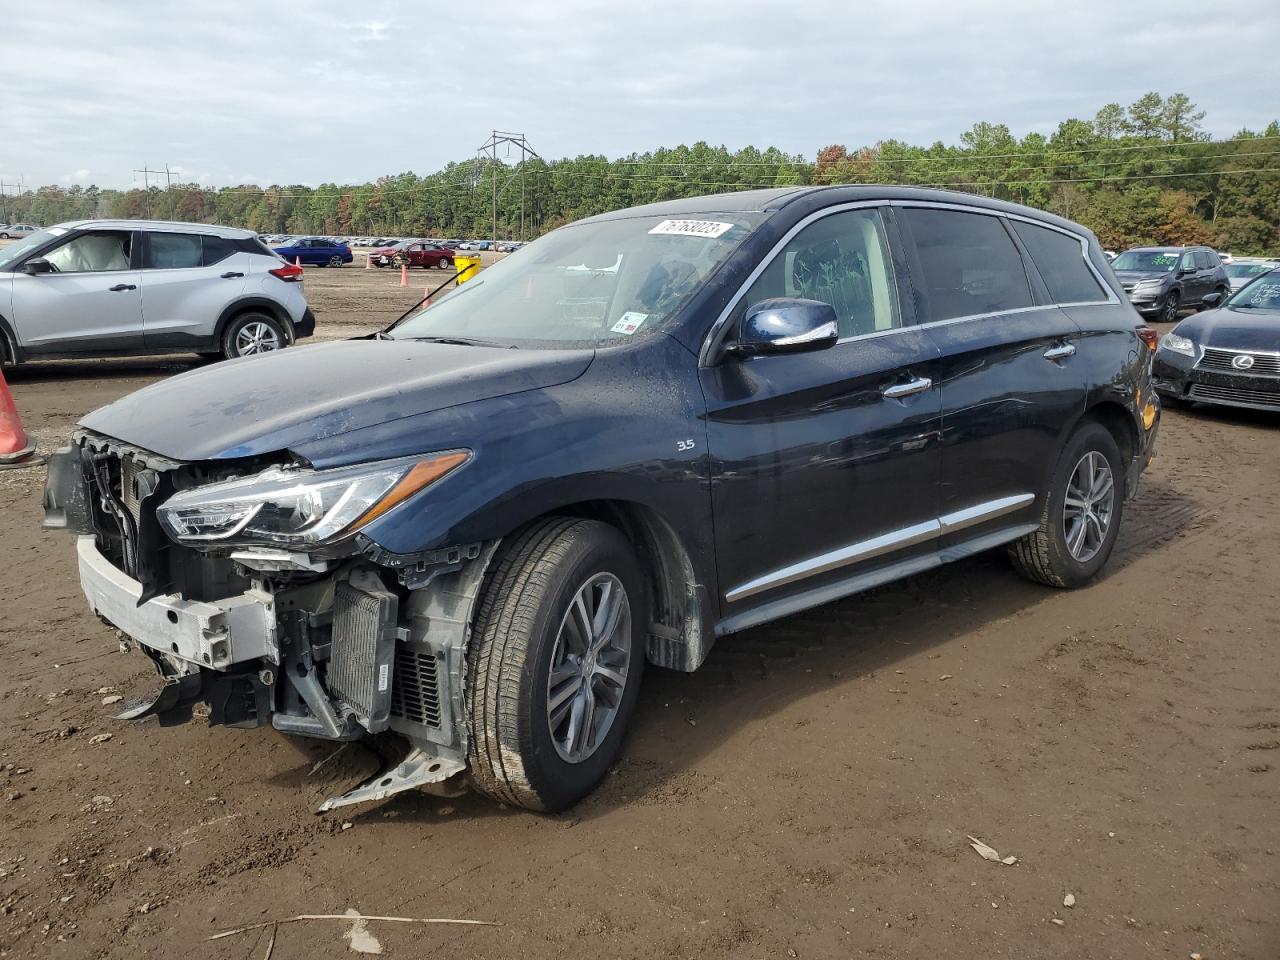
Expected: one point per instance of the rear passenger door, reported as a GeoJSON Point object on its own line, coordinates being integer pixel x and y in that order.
{"type": "Point", "coordinates": [187, 280]}
{"type": "Point", "coordinates": [1010, 386]}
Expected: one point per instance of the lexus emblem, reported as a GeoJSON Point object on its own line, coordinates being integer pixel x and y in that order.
{"type": "Point", "coordinates": [1242, 361]}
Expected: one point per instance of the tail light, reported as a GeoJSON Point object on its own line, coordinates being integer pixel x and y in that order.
{"type": "Point", "coordinates": [292, 273]}
{"type": "Point", "coordinates": [1148, 335]}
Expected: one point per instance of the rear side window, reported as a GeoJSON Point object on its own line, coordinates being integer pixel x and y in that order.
{"type": "Point", "coordinates": [173, 251]}
{"type": "Point", "coordinates": [1060, 260]}
{"type": "Point", "coordinates": [216, 249]}
{"type": "Point", "coordinates": [1207, 260]}
{"type": "Point", "coordinates": [969, 262]}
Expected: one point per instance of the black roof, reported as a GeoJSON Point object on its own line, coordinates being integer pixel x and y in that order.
{"type": "Point", "coordinates": [776, 198]}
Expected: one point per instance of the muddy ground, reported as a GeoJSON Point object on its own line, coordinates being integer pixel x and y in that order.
{"type": "Point", "coordinates": [808, 793]}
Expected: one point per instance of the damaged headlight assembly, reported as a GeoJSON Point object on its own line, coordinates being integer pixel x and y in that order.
{"type": "Point", "coordinates": [299, 508]}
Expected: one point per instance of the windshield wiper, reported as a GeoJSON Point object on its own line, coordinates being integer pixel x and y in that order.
{"type": "Point", "coordinates": [464, 341]}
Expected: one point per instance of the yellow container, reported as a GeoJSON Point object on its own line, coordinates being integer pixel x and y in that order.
{"type": "Point", "coordinates": [467, 267]}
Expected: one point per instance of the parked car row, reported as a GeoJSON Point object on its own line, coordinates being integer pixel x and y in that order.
{"type": "Point", "coordinates": [16, 231]}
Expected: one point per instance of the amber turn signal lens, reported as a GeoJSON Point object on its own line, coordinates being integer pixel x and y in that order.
{"type": "Point", "coordinates": [1149, 415]}
{"type": "Point", "coordinates": [422, 474]}
{"type": "Point", "coordinates": [1150, 336]}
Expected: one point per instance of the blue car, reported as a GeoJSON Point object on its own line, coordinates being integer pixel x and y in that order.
{"type": "Point", "coordinates": [317, 252]}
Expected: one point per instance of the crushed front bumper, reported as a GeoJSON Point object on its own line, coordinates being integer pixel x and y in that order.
{"type": "Point", "coordinates": [216, 634]}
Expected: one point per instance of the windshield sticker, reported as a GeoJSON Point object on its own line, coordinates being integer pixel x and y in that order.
{"type": "Point", "coordinates": [629, 322]}
{"type": "Point", "coordinates": [693, 228]}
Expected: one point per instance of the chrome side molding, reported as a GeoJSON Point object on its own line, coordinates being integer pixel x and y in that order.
{"type": "Point", "coordinates": [880, 545]}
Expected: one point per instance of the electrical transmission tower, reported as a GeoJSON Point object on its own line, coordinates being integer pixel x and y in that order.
{"type": "Point", "coordinates": [489, 150]}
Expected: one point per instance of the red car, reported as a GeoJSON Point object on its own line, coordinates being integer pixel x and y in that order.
{"type": "Point", "coordinates": [417, 253]}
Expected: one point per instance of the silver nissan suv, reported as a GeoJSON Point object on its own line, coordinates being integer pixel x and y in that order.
{"type": "Point", "coordinates": [130, 287]}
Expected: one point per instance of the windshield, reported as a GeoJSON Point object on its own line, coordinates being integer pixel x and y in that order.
{"type": "Point", "coordinates": [1239, 271]}
{"type": "Point", "coordinates": [16, 252]}
{"type": "Point", "coordinates": [1148, 261]}
{"type": "Point", "coordinates": [1261, 294]}
{"type": "Point", "coordinates": [587, 283]}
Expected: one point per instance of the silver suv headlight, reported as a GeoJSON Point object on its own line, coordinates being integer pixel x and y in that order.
{"type": "Point", "coordinates": [1177, 344]}
{"type": "Point", "coordinates": [299, 508]}
{"type": "Point", "coordinates": [1146, 285]}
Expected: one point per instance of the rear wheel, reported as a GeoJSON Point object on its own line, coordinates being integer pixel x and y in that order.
{"type": "Point", "coordinates": [335, 261]}
{"type": "Point", "coordinates": [1081, 513]}
{"type": "Point", "coordinates": [444, 263]}
{"type": "Point", "coordinates": [253, 333]}
{"type": "Point", "coordinates": [555, 663]}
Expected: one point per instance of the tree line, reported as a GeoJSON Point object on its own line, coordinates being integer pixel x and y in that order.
{"type": "Point", "coordinates": [1142, 174]}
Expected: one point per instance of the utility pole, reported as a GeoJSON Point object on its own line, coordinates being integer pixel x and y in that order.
{"type": "Point", "coordinates": [489, 150]}
{"type": "Point", "coordinates": [147, 174]}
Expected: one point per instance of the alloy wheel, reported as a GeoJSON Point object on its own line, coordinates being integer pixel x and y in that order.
{"type": "Point", "coordinates": [589, 665]}
{"type": "Point", "coordinates": [335, 261]}
{"type": "Point", "coordinates": [1170, 312]}
{"type": "Point", "coordinates": [256, 337]}
{"type": "Point", "coordinates": [1089, 506]}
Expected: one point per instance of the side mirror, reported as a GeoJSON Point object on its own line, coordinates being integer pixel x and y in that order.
{"type": "Point", "coordinates": [1211, 299]}
{"type": "Point", "coordinates": [37, 265]}
{"type": "Point", "coordinates": [785, 325]}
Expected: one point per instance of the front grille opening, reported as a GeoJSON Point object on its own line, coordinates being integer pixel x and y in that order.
{"type": "Point", "coordinates": [415, 687]}
{"type": "Point", "coordinates": [1204, 391]}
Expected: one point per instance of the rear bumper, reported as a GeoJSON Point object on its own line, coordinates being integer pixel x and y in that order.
{"type": "Point", "coordinates": [213, 635]}
{"type": "Point", "coordinates": [305, 327]}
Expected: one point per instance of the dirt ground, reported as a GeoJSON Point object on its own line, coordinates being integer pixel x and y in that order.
{"type": "Point", "coordinates": [808, 793]}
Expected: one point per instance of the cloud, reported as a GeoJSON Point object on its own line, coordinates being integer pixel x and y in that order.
{"type": "Point", "coordinates": [339, 96]}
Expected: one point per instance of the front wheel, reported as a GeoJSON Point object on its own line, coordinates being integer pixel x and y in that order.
{"type": "Point", "coordinates": [555, 663]}
{"type": "Point", "coordinates": [252, 333]}
{"type": "Point", "coordinates": [1081, 513]}
{"type": "Point", "coordinates": [1169, 312]}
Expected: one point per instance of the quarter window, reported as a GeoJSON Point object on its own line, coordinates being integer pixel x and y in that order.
{"type": "Point", "coordinates": [95, 252]}
{"type": "Point", "coordinates": [173, 251]}
{"type": "Point", "coordinates": [1060, 260]}
{"type": "Point", "coordinates": [969, 263]}
{"type": "Point", "coordinates": [842, 259]}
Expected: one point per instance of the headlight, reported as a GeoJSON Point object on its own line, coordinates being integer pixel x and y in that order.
{"type": "Point", "coordinates": [1147, 285]}
{"type": "Point", "coordinates": [1177, 344]}
{"type": "Point", "coordinates": [297, 507]}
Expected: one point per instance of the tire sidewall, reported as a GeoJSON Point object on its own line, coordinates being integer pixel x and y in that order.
{"type": "Point", "coordinates": [557, 782]}
{"type": "Point", "coordinates": [229, 336]}
{"type": "Point", "coordinates": [1092, 436]}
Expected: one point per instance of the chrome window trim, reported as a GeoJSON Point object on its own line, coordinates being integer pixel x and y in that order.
{"type": "Point", "coordinates": [879, 545]}
{"type": "Point", "coordinates": [704, 355]}
{"type": "Point", "coordinates": [1255, 353]}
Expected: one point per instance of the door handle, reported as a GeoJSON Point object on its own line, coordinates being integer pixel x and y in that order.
{"type": "Point", "coordinates": [1060, 352]}
{"type": "Point", "coordinates": [900, 390]}
{"type": "Point", "coordinates": [123, 286]}
{"type": "Point", "coordinates": [231, 275]}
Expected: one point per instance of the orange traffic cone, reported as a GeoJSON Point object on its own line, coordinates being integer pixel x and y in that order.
{"type": "Point", "coordinates": [16, 448]}
{"type": "Point", "coordinates": [368, 261]}
{"type": "Point", "coordinates": [426, 296]}
{"type": "Point", "coordinates": [297, 260]}
{"type": "Point", "coordinates": [404, 274]}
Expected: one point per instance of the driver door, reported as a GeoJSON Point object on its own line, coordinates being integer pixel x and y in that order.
{"type": "Point", "coordinates": [825, 464]}
{"type": "Point", "coordinates": [92, 303]}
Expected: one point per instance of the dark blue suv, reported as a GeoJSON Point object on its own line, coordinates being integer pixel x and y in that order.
{"type": "Point", "coordinates": [316, 252]}
{"type": "Point", "coordinates": [647, 430]}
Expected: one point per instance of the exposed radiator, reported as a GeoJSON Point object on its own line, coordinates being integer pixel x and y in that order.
{"type": "Point", "coordinates": [363, 649]}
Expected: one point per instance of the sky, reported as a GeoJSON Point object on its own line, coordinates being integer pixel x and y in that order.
{"type": "Point", "coordinates": [304, 93]}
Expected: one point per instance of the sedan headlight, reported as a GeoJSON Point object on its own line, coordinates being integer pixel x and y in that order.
{"type": "Point", "coordinates": [299, 508]}
{"type": "Point", "coordinates": [1177, 344]}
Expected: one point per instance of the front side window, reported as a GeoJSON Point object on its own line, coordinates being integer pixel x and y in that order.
{"type": "Point", "coordinates": [842, 259]}
{"type": "Point", "coordinates": [94, 252]}
{"type": "Point", "coordinates": [596, 282]}
{"type": "Point", "coordinates": [1060, 260]}
{"type": "Point", "coordinates": [173, 251]}
{"type": "Point", "coordinates": [969, 263]}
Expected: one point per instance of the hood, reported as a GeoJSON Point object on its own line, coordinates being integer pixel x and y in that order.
{"type": "Point", "coordinates": [257, 405]}
{"type": "Point", "coordinates": [1235, 329]}
{"type": "Point", "coordinates": [1133, 276]}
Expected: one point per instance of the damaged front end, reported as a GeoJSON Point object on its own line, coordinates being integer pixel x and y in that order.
{"type": "Point", "coordinates": [250, 588]}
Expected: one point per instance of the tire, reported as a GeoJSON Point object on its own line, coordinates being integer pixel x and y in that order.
{"type": "Point", "coordinates": [379, 264]}
{"type": "Point", "coordinates": [336, 261]}
{"type": "Point", "coordinates": [444, 263]}
{"type": "Point", "coordinates": [1046, 556]}
{"type": "Point", "coordinates": [1172, 303]}
{"type": "Point", "coordinates": [4, 236]}
{"type": "Point", "coordinates": [253, 328]}
{"type": "Point", "coordinates": [525, 621]}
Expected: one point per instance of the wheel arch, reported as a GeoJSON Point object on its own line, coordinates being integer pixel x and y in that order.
{"type": "Point", "coordinates": [678, 629]}
{"type": "Point", "coordinates": [243, 305]}
{"type": "Point", "coordinates": [10, 352]}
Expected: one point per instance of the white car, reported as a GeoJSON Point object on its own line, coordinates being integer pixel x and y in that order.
{"type": "Point", "coordinates": [130, 287]}
{"type": "Point", "coordinates": [16, 231]}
